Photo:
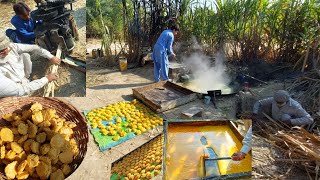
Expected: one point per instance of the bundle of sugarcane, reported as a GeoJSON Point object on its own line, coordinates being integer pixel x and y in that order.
{"type": "Point", "coordinates": [310, 84]}
{"type": "Point", "coordinates": [49, 88]}
{"type": "Point", "coordinates": [300, 147]}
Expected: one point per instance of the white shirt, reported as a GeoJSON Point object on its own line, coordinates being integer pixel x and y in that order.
{"type": "Point", "coordinates": [246, 142]}
{"type": "Point", "coordinates": [12, 71]}
{"type": "Point", "coordinates": [11, 88]}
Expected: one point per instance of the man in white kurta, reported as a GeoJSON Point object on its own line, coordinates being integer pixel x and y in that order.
{"type": "Point", "coordinates": [246, 147]}
{"type": "Point", "coordinates": [16, 66]}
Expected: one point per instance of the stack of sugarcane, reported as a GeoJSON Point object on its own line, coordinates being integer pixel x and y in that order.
{"type": "Point", "coordinates": [300, 147]}
{"type": "Point", "coordinates": [310, 83]}
{"type": "Point", "coordinates": [50, 87]}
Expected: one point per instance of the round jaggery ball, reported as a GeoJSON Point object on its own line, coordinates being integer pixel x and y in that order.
{"type": "Point", "coordinates": [6, 135]}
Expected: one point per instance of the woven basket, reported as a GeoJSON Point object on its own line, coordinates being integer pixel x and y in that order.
{"type": "Point", "coordinates": [64, 110]}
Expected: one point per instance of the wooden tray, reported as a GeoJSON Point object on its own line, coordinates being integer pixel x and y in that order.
{"type": "Point", "coordinates": [167, 123]}
{"type": "Point", "coordinates": [113, 175]}
{"type": "Point", "coordinates": [163, 95]}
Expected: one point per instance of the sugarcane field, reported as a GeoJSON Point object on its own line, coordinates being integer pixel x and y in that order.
{"type": "Point", "coordinates": [160, 89]}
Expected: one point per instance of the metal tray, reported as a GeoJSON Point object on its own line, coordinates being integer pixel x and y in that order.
{"type": "Point", "coordinates": [242, 175]}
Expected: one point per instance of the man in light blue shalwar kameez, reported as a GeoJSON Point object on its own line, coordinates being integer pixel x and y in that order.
{"type": "Point", "coordinates": [162, 49]}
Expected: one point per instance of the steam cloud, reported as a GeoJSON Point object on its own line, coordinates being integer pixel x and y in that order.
{"type": "Point", "coordinates": [207, 76]}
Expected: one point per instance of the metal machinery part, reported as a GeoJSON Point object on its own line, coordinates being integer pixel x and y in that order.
{"type": "Point", "coordinates": [56, 25]}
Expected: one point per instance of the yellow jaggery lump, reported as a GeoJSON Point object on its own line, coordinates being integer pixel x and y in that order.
{"type": "Point", "coordinates": [57, 141]}
{"type": "Point", "coordinates": [35, 147]}
{"type": "Point", "coordinates": [43, 170]}
{"type": "Point", "coordinates": [66, 157]}
{"type": "Point", "coordinates": [22, 166]}
{"type": "Point", "coordinates": [32, 130]}
{"type": "Point", "coordinates": [6, 135]}
{"type": "Point", "coordinates": [44, 149]}
{"type": "Point", "coordinates": [8, 117]}
{"type": "Point", "coordinates": [66, 169]}
{"type": "Point", "coordinates": [33, 160]}
{"type": "Point", "coordinates": [22, 139]}
{"type": "Point", "coordinates": [37, 117]}
{"type": "Point", "coordinates": [49, 114]}
{"type": "Point", "coordinates": [10, 170]}
{"type": "Point", "coordinates": [11, 155]}
{"type": "Point", "coordinates": [220, 138]}
{"type": "Point", "coordinates": [57, 175]}
{"type": "Point", "coordinates": [41, 137]}
{"type": "Point", "coordinates": [22, 175]}
{"type": "Point", "coordinates": [16, 147]}
{"type": "Point", "coordinates": [36, 107]}
{"type": "Point", "coordinates": [26, 114]}
{"type": "Point", "coordinates": [2, 152]}
{"type": "Point", "coordinates": [23, 128]}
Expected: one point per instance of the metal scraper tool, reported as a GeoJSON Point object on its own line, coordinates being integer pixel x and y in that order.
{"type": "Point", "coordinates": [210, 152]}
{"type": "Point", "coordinates": [210, 167]}
{"type": "Point", "coordinates": [219, 158]}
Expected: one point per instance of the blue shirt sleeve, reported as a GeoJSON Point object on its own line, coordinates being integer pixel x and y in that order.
{"type": "Point", "coordinates": [169, 43]}
{"type": "Point", "coordinates": [20, 27]}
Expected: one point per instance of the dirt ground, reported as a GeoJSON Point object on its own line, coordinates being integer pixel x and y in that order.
{"type": "Point", "coordinates": [71, 82]}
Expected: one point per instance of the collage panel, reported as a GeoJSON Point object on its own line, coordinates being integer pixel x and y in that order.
{"type": "Point", "coordinates": [207, 149]}
{"type": "Point", "coordinates": [43, 48]}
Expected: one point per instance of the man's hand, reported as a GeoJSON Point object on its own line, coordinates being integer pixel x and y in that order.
{"type": "Point", "coordinates": [287, 122]}
{"type": "Point", "coordinates": [174, 55]}
{"type": "Point", "coordinates": [238, 156]}
{"type": "Point", "coordinates": [286, 118]}
{"type": "Point", "coordinates": [52, 76]}
{"type": "Point", "coordinates": [55, 60]}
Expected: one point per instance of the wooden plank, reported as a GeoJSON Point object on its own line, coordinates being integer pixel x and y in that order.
{"type": "Point", "coordinates": [146, 101]}
{"type": "Point", "coordinates": [151, 86]}
{"type": "Point", "coordinates": [163, 95]}
{"type": "Point", "coordinates": [178, 102]}
{"type": "Point", "coordinates": [192, 112]}
{"type": "Point", "coordinates": [235, 131]}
